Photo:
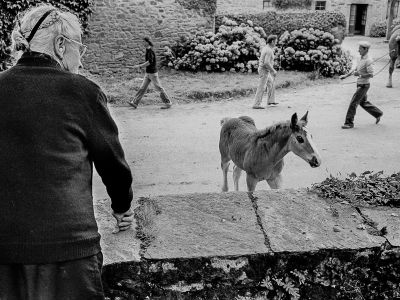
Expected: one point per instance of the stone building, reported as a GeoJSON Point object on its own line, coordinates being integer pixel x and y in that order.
{"type": "Point", "coordinates": [117, 28]}
{"type": "Point", "coordinates": [360, 14]}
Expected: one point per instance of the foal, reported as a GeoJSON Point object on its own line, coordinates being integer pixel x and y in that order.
{"type": "Point", "coordinates": [260, 152]}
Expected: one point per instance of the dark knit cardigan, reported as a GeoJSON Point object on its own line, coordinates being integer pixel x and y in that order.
{"type": "Point", "coordinates": [54, 125]}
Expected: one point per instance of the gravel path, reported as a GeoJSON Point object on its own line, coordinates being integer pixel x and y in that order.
{"type": "Point", "coordinates": [176, 151]}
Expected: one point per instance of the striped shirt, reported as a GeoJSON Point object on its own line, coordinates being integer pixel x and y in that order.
{"type": "Point", "coordinates": [364, 67]}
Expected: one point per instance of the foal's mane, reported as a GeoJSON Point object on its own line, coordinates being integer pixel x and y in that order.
{"type": "Point", "coordinates": [276, 133]}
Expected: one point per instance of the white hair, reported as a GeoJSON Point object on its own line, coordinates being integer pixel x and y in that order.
{"type": "Point", "coordinates": [58, 22]}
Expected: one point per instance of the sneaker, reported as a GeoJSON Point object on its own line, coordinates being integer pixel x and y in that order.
{"type": "Point", "coordinates": [166, 106]}
{"type": "Point", "coordinates": [347, 126]}
{"type": "Point", "coordinates": [273, 104]}
{"type": "Point", "coordinates": [378, 119]}
{"type": "Point", "coordinates": [258, 107]}
{"type": "Point", "coordinates": [133, 104]}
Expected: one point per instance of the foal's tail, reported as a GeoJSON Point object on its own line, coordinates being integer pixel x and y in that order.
{"type": "Point", "coordinates": [224, 120]}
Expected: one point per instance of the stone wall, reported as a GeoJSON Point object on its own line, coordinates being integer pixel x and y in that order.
{"type": "Point", "coordinates": [117, 27]}
{"type": "Point", "coordinates": [222, 245]}
{"type": "Point", "coordinates": [239, 6]}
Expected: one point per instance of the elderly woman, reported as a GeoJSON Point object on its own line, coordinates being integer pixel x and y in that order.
{"type": "Point", "coordinates": [54, 126]}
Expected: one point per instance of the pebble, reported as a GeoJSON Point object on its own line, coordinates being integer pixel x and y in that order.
{"type": "Point", "coordinates": [361, 226]}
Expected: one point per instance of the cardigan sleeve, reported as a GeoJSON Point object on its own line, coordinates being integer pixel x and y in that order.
{"type": "Point", "coordinates": [108, 156]}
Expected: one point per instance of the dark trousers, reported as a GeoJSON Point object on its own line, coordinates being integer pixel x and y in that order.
{"type": "Point", "coordinates": [70, 280]}
{"type": "Point", "coordinates": [360, 98]}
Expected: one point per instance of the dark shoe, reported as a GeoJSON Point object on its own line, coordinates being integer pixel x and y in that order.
{"type": "Point", "coordinates": [166, 106]}
{"type": "Point", "coordinates": [258, 107]}
{"type": "Point", "coordinates": [378, 119]}
{"type": "Point", "coordinates": [133, 104]}
{"type": "Point", "coordinates": [347, 126]}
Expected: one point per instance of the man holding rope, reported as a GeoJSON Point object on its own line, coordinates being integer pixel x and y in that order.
{"type": "Point", "coordinates": [364, 71]}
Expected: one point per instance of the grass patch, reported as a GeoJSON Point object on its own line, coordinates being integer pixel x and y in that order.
{"type": "Point", "coordinates": [188, 87]}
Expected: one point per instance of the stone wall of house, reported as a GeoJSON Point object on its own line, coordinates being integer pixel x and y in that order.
{"type": "Point", "coordinates": [118, 26]}
{"type": "Point", "coordinates": [376, 10]}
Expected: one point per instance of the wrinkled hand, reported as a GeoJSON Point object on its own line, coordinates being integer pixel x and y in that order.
{"type": "Point", "coordinates": [124, 220]}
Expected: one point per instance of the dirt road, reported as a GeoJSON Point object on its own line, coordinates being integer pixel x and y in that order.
{"type": "Point", "coordinates": [176, 151]}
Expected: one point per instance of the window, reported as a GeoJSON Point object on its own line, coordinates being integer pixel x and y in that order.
{"type": "Point", "coordinates": [267, 3]}
{"type": "Point", "coordinates": [320, 5]}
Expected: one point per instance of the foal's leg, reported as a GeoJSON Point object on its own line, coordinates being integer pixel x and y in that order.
{"type": "Point", "coordinates": [225, 167]}
{"type": "Point", "coordinates": [251, 183]}
{"type": "Point", "coordinates": [236, 175]}
{"type": "Point", "coordinates": [275, 183]}
{"type": "Point", "coordinates": [391, 69]}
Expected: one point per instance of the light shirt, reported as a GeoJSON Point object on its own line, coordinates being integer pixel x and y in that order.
{"type": "Point", "coordinates": [267, 56]}
{"type": "Point", "coordinates": [364, 67]}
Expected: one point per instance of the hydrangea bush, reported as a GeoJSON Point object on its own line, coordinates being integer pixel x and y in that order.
{"type": "Point", "coordinates": [312, 50]}
{"type": "Point", "coordinates": [233, 48]}
{"type": "Point", "coordinates": [237, 48]}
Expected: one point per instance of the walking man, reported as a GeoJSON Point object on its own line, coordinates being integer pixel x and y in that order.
{"type": "Point", "coordinates": [151, 76]}
{"type": "Point", "coordinates": [364, 71]}
{"type": "Point", "coordinates": [267, 74]}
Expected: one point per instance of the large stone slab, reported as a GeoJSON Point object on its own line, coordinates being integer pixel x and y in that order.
{"type": "Point", "coordinates": [299, 221]}
{"type": "Point", "coordinates": [120, 247]}
{"type": "Point", "coordinates": [234, 224]}
{"type": "Point", "coordinates": [203, 225]}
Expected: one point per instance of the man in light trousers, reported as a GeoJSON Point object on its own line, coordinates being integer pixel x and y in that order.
{"type": "Point", "coordinates": [267, 74]}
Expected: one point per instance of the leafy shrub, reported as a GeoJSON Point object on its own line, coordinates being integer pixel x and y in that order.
{"type": "Point", "coordinates": [11, 8]}
{"type": "Point", "coordinates": [277, 23]}
{"type": "Point", "coordinates": [378, 29]}
{"type": "Point", "coordinates": [4, 55]}
{"type": "Point", "coordinates": [313, 49]}
{"type": "Point", "coordinates": [285, 4]}
{"type": "Point", "coordinates": [232, 48]}
{"type": "Point", "coordinates": [367, 188]}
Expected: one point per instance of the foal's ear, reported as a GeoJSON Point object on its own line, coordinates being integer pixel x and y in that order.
{"type": "Point", "coordinates": [293, 122]}
{"type": "Point", "coordinates": [305, 118]}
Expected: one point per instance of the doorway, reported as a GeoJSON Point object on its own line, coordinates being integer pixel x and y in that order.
{"type": "Point", "coordinates": [358, 19]}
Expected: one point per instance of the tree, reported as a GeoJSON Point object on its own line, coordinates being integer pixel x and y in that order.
{"type": "Point", "coordinates": [391, 6]}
